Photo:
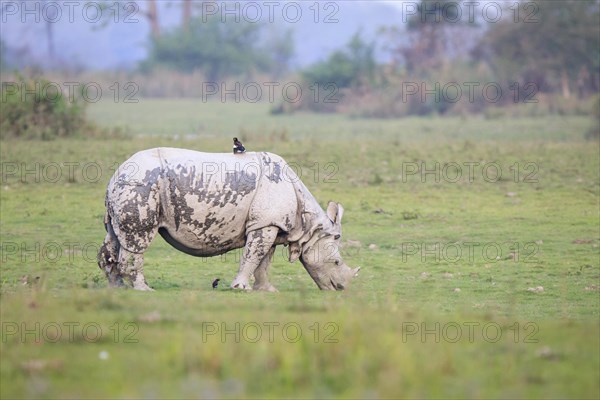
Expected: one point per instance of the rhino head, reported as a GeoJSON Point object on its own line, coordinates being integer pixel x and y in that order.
{"type": "Point", "coordinates": [319, 252]}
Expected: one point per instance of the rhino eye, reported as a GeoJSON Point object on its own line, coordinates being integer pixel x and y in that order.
{"type": "Point", "coordinates": [336, 237]}
{"type": "Point", "coordinates": [337, 262]}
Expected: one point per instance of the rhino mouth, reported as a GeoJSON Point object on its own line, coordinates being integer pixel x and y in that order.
{"type": "Point", "coordinates": [328, 284]}
{"type": "Point", "coordinates": [336, 286]}
{"type": "Point", "coordinates": [333, 285]}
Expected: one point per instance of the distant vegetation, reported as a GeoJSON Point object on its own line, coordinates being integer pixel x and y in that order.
{"type": "Point", "coordinates": [545, 60]}
{"type": "Point", "coordinates": [355, 65]}
{"type": "Point", "coordinates": [36, 108]}
{"type": "Point", "coordinates": [540, 58]}
{"type": "Point", "coordinates": [219, 49]}
{"type": "Point", "coordinates": [594, 132]}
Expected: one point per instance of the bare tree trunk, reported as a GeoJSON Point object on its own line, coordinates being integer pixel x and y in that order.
{"type": "Point", "coordinates": [50, 33]}
{"type": "Point", "coordinates": [564, 81]}
{"type": "Point", "coordinates": [582, 80]}
{"type": "Point", "coordinates": [187, 14]}
{"type": "Point", "coordinates": [152, 15]}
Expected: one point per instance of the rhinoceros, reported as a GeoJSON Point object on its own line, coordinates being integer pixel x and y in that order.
{"type": "Point", "coordinates": [206, 204]}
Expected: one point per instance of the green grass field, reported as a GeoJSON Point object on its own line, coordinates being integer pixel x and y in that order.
{"type": "Point", "coordinates": [451, 219]}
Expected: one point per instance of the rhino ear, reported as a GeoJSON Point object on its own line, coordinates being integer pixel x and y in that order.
{"type": "Point", "coordinates": [338, 220]}
{"type": "Point", "coordinates": [335, 212]}
{"type": "Point", "coordinates": [332, 211]}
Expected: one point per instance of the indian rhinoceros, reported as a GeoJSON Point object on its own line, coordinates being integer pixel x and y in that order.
{"type": "Point", "coordinates": [206, 204]}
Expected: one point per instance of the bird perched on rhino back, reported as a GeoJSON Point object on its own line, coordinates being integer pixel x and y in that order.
{"type": "Point", "coordinates": [238, 147]}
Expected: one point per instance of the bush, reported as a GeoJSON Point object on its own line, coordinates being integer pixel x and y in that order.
{"type": "Point", "coordinates": [594, 132]}
{"type": "Point", "coordinates": [34, 108]}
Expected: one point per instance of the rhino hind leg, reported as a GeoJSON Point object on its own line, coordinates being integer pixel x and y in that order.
{"type": "Point", "coordinates": [261, 274]}
{"type": "Point", "coordinates": [258, 246]}
{"type": "Point", "coordinates": [108, 258]}
{"type": "Point", "coordinates": [131, 266]}
{"type": "Point", "coordinates": [134, 218]}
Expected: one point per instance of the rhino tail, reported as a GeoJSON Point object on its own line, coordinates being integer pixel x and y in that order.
{"type": "Point", "coordinates": [111, 239]}
{"type": "Point", "coordinates": [108, 256]}
{"type": "Point", "coordinates": [111, 236]}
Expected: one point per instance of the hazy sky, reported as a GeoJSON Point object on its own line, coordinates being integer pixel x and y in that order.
{"type": "Point", "coordinates": [80, 39]}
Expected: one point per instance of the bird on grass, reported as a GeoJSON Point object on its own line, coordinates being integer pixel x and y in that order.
{"type": "Point", "coordinates": [216, 283]}
{"type": "Point", "coordinates": [238, 147]}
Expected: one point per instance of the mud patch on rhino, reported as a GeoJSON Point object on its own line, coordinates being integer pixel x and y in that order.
{"type": "Point", "coordinates": [272, 168]}
{"type": "Point", "coordinates": [182, 183]}
{"type": "Point", "coordinates": [134, 210]}
{"type": "Point", "coordinates": [239, 183]}
{"type": "Point", "coordinates": [288, 223]}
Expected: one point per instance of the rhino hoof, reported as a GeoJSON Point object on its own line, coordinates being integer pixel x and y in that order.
{"type": "Point", "coordinates": [144, 288]}
{"type": "Point", "coordinates": [266, 288]}
{"type": "Point", "coordinates": [241, 286]}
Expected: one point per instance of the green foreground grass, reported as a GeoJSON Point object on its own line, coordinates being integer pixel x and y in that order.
{"type": "Point", "coordinates": [441, 307]}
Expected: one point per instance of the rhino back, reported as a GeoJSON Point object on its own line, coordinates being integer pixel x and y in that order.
{"type": "Point", "coordinates": [206, 198]}
{"type": "Point", "coordinates": [208, 201]}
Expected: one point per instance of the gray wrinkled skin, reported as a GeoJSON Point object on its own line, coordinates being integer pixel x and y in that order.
{"type": "Point", "coordinates": [206, 204]}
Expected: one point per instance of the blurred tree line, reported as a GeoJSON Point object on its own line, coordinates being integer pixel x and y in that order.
{"type": "Point", "coordinates": [544, 54]}
{"type": "Point", "coordinates": [559, 50]}
{"type": "Point", "coordinates": [219, 49]}
{"type": "Point", "coordinates": [544, 51]}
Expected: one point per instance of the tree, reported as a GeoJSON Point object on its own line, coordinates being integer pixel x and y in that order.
{"type": "Point", "coordinates": [559, 47]}
{"type": "Point", "coordinates": [147, 8]}
{"type": "Point", "coordinates": [346, 67]}
{"type": "Point", "coordinates": [152, 14]}
{"type": "Point", "coordinates": [3, 63]}
{"type": "Point", "coordinates": [186, 14]}
{"type": "Point", "coordinates": [430, 28]}
{"type": "Point", "coordinates": [218, 48]}
{"type": "Point", "coordinates": [280, 46]}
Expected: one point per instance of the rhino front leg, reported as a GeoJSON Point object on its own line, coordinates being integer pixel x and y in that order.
{"type": "Point", "coordinates": [131, 266]}
{"type": "Point", "coordinates": [258, 245]}
{"type": "Point", "coordinates": [261, 275]}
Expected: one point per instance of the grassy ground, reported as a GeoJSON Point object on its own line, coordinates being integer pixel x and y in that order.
{"type": "Point", "coordinates": [441, 307]}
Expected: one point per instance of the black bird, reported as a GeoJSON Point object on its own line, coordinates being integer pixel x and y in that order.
{"type": "Point", "coordinates": [216, 283]}
{"type": "Point", "coordinates": [238, 147]}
